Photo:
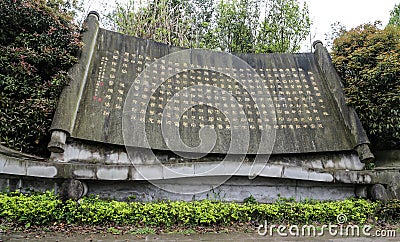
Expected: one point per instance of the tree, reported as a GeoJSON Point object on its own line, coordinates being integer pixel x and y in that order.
{"type": "Point", "coordinates": [368, 61]}
{"type": "Point", "coordinates": [395, 16]}
{"type": "Point", "coordinates": [285, 25]}
{"type": "Point", "coordinates": [38, 44]}
{"type": "Point", "coordinates": [203, 15]}
{"type": "Point", "coordinates": [236, 25]}
{"type": "Point", "coordinates": [232, 26]}
{"type": "Point", "coordinates": [161, 20]}
{"type": "Point", "coordinates": [337, 29]}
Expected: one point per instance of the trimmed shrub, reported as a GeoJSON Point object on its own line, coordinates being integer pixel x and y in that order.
{"type": "Point", "coordinates": [38, 44]}
{"type": "Point", "coordinates": [43, 209]}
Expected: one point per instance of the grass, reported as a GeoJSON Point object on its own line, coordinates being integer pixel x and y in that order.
{"type": "Point", "coordinates": [184, 232]}
{"type": "Point", "coordinates": [143, 231]}
{"type": "Point", "coordinates": [114, 231]}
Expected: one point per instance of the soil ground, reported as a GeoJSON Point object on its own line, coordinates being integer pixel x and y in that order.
{"type": "Point", "coordinates": [236, 232]}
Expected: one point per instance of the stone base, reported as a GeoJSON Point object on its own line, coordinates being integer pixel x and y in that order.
{"type": "Point", "coordinates": [235, 189]}
{"type": "Point", "coordinates": [87, 152]}
{"type": "Point", "coordinates": [329, 176]}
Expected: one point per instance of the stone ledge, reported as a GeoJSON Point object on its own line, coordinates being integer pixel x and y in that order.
{"type": "Point", "coordinates": [34, 168]}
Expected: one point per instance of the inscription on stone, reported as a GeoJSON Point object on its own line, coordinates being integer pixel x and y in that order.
{"type": "Point", "coordinates": [296, 94]}
{"type": "Point", "coordinates": [285, 95]}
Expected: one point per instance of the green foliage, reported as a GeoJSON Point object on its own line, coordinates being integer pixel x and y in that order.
{"type": "Point", "coordinates": [113, 231]}
{"type": "Point", "coordinates": [29, 210]}
{"type": "Point", "coordinates": [161, 20]}
{"type": "Point", "coordinates": [395, 16]}
{"type": "Point", "coordinates": [250, 200]}
{"type": "Point", "coordinates": [368, 61]}
{"type": "Point", "coordinates": [145, 230]}
{"type": "Point", "coordinates": [4, 228]}
{"type": "Point", "coordinates": [235, 25]}
{"type": "Point", "coordinates": [337, 29]}
{"type": "Point", "coordinates": [232, 26]}
{"type": "Point", "coordinates": [285, 25]}
{"type": "Point", "coordinates": [37, 45]}
{"type": "Point", "coordinates": [390, 212]}
{"type": "Point", "coordinates": [42, 209]}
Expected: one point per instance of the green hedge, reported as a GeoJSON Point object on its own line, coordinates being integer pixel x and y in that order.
{"type": "Point", "coordinates": [38, 44]}
{"type": "Point", "coordinates": [42, 209]}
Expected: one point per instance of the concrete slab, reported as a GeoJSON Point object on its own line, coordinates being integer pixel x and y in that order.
{"type": "Point", "coordinates": [42, 171]}
{"type": "Point", "coordinates": [120, 173]}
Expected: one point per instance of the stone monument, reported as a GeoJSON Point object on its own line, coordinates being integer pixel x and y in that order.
{"type": "Point", "coordinates": [162, 122]}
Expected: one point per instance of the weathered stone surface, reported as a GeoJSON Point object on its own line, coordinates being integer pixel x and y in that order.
{"type": "Point", "coordinates": [354, 177]}
{"type": "Point", "coordinates": [362, 191]}
{"type": "Point", "coordinates": [378, 193]}
{"type": "Point", "coordinates": [12, 168]}
{"type": "Point", "coordinates": [116, 173]}
{"type": "Point", "coordinates": [73, 189]}
{"type": "Point", "coordinates": [234, 189]}
{"type": "Point", "coordinates": [9, 153]}
{"type": "Point", "coordinates": [42, 171]}
{"type": "Point", "coordinates": [86, 173]}
{"type": "Point", "coordinates": [343, 185]}
{"type": "Point", "coordinates": [66, 117]}
{"type": "Point", "coordinates": [116, 80]}
{"type": "Point", "coordinates": [277, 167]}
{"type": "Point", "coordinates": [350, 119]}
{"type": "Point", "coordinates": [124, 85]}
{"type": "Point", "coordinates": [57, 143]}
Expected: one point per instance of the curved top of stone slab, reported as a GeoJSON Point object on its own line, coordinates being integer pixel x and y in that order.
{"type": "Point", "coordinates": [16, 154]}
{"type": "Point", "coordinates": [136, 92]}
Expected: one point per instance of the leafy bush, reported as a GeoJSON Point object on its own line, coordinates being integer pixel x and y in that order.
{"type": "Point", "coordinates": [368, 61]}
{"type": "Point", "coordinates": [36, 209]}
{"type": "Point", "coordinates": [38, 43]}
{"type": "Point", "coordinates": [47, 208]}
{"type": "Point", "coordinates": [390, 212]}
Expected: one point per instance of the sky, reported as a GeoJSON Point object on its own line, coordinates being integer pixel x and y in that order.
{"type": "Point", "coordinates": [350, 13]}
{"type": "Point", "coordinates": [323, 13]}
